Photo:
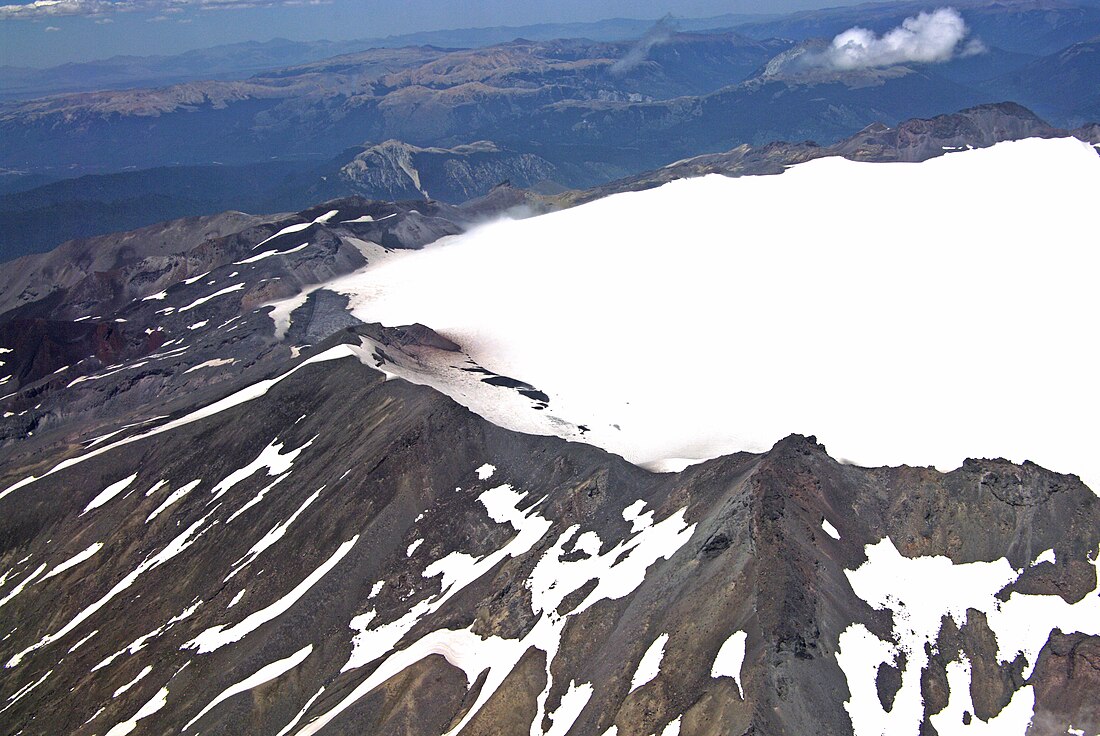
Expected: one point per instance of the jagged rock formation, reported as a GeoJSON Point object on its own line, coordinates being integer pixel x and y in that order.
{"type": "Point", "coordinates": [396, 170]}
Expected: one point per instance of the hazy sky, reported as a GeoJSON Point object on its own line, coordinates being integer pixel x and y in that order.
{"type": "Point", "coordinates": [48, 32]}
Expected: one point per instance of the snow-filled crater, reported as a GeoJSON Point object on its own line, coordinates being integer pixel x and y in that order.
{"type": "Point", "coordinates": [902, 313]}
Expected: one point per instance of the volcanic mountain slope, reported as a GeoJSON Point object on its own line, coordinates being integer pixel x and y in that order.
{"type": "Point", "coordinates": [261, 524]}
{"type": "Point", "coordinates": [328, 551]}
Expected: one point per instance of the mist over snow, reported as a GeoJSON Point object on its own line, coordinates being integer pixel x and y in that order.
{"type": "Point", "coordinates": [903, 313]}
{"type": "Point", "coordinates": [925, 38]}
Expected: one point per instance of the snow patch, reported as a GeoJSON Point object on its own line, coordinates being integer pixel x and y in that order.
{"type": "Point", "coordinates": [156, 703]}
{"type": "Point", "coordinates": [217, 637]}
{"type": "Point", "coordinates": [1045, 556]}
{"type": "Point", "coordinates": [266, 673]}
{"type": "Point", "coordinates": [75, 560]}
{"type": "Point", "coordinates": [109, 493]}
{"type": "Point", "coordinates": [203, 300]}
{"type": "Point", "coordinates": [19, 588]}
{"type": "Point", "coordinates": [919, 592]}
{"type": "Point", "coordinates": [650, 664]}
{"type": "Point", "coordinates": [141, 675]}
{"type": "Point", "coordinates": [214, 363]}
{"type": "Point", "coordinates": [172, 498]}
{"type": "Point", "coordinates": [730, 659]}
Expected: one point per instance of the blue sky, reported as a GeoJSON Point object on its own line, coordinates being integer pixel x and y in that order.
{"type": "Point", "coordinates": [49, 32]}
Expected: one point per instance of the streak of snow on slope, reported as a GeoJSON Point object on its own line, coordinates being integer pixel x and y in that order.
{"type": "Point", "coordinates": [82, 642]}
{"type": "Point", "coordinates": [650, 664]}
{"type": "Point", "coordinates": [618, 573]}
{"type": "Point", "coordinates": [301, 714]}
{"type": "Point", "coordinates": [138, 644]}
{"type": "Point", "coordinates": [271, 457]}
{"type": "Point", "coordinates": [919, 592]}
{"type": "Point", "coordinates": [75, 560]}
{"type": "Point", "coordinates": [655, 291]}
{"type": "Point", "coordinates": [217, 637]}
{"type": "Point", "coordinates": [156, 487]}
{"type": "Point", "coordinates": [195, 279]}
{"type": "Point", "coordinates": [829, 529]}
{"type": "Point", "coordinates": [269, 253]}
{"type": "Point", "coordinates": [174, 496]}
{"type": "Point", "coordinates": [730, 658]}
{"type": "Point", "coordinates": [157, 702]}
{"type": "Point", "coordinates": [108, 493]}
{"type": "Point", "coordinates": [140, 676]}
{"type": "Point", "coordinates": [26, 581]}
{"type": "Point", "coordinates": [297, 228]}
{"type": "Point", "coordinates": [182, 542]}
{"type": "Point", "coordinates": [25, 690]}
{"type": "Point", "coordinates": [267, 673]}
{"type": "Point", "coordinates": [203, 300]}
{"type": "Point", "coordinates": [249, 393]}
{"type": "Point", "coordinates": [214, 363]}
{"type": "Point", "coordinates": [82, 379]}
{"type": "Point", "coordinates": [258, 498]}
{"type": "Point", "coordinates": [272, 536]}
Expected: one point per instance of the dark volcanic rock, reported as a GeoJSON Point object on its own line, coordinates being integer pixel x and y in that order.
{"type": "Point", "coordinates": [381, 479]}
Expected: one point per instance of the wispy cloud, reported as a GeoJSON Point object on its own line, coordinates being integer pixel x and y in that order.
{"type": "Point", "coordinates": [925, 38]}
{"type": "Point", "coordinates": [52, 28]}
{"type": "Point", "coordinates": [660, 33]}
{"type": "Point", "coordinates": [40, 9]}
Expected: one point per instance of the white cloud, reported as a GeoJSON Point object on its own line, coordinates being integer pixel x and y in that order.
{"type": "Point", "coordinates": [40, 9]}
{"type": "Point", "coordinates": [925, 38]}
{"type": "Point", "coordinates": [52, 8]}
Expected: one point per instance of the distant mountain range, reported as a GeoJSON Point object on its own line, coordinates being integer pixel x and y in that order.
{"type": "Point", "coordinates": [543, 114]}
{"type": "Point", "coordinates": [239, 60]}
